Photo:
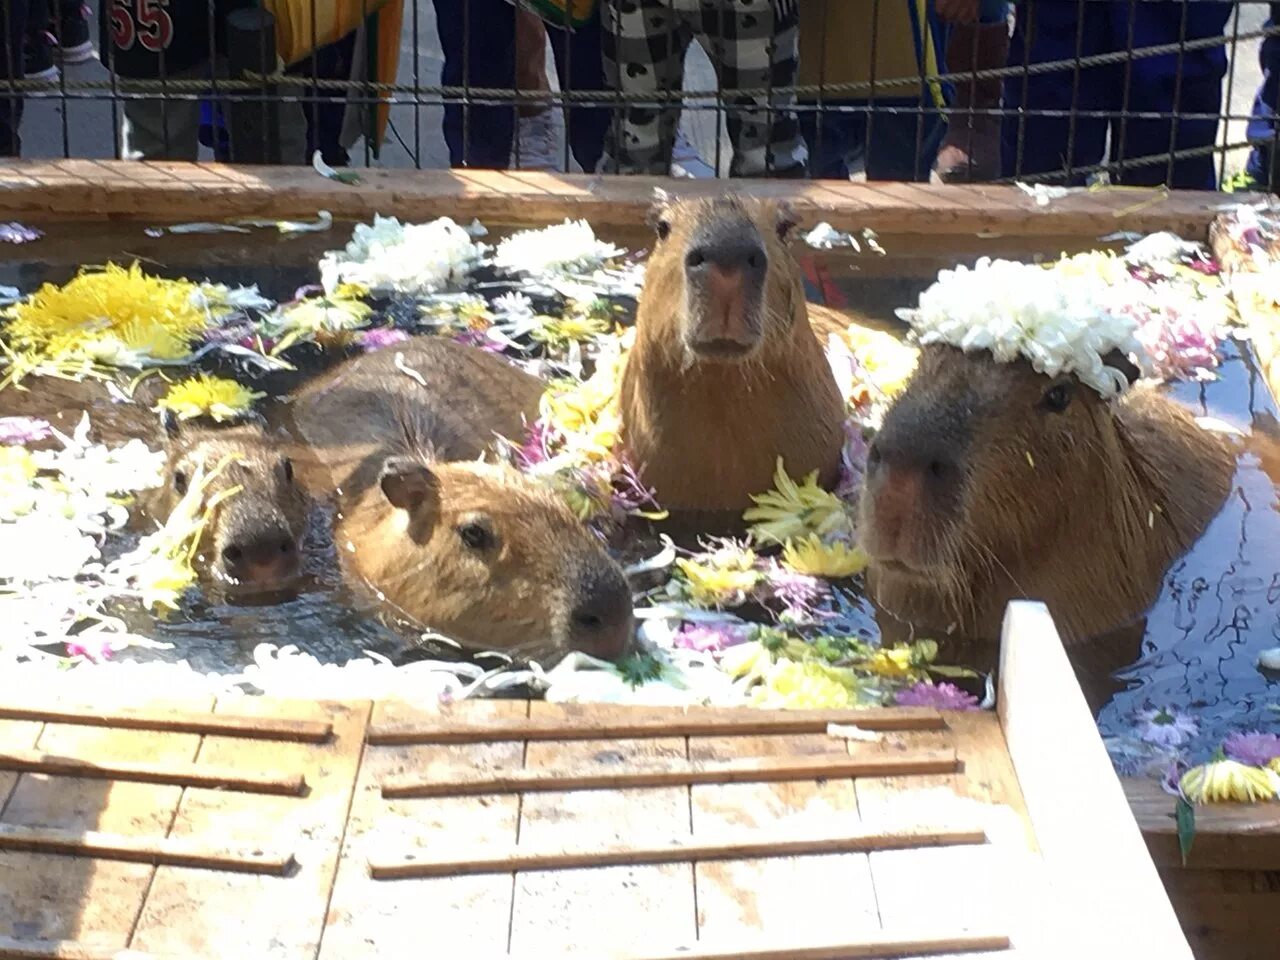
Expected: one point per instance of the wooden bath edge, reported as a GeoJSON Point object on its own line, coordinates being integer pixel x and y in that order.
{"type": "Point", "coordinates": [163, 192]}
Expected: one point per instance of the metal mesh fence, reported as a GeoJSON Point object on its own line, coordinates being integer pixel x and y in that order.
{"type": "Point", "coordinates": [1135, 92]}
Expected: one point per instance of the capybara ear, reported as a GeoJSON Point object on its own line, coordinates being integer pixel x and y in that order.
{"type": "Point", "coordinates": [659, 213]}
{"type": "Point", "coordinates": [787, 220]}
{"type": "Point", "coordinates": [1119, 361]}
{"type": "Point", "coordinates": [169, 421]}
{"type": "Point", "coordinates": [406, 483]}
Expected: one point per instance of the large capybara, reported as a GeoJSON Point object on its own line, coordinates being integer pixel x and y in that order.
{"type": "Point", "coordinates": [990, 482]}
{"type": "Point", "coordinates": [252, 540]}
{"type": "Point", "coordinates": [475, 550]}
{"type": "Point", "coordinates": [726, 375]}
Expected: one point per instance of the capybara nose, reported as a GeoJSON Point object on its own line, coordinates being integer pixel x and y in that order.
{"type": "Point", "coordinates": [728, 277]}
{"type": "Point", "coordinates": [928, 464]}
{"type": "Point", "coordinates": [743, 256]}
{"type": "Point", "coordinates": [265, 557]}
{"type": "Point", "coordinates": [602, 622]}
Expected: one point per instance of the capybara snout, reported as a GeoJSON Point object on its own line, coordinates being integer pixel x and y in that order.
{"type": "Point", "coordinates": [602, 621]}
{"type": "Point", "coordinates": [258, 545]}
{"type": "Point", "coordinates": [725, 269]}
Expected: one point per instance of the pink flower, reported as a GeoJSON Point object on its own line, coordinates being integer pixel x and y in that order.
{"type": "Point", "coordinates": [798, 593]}
{"type": "Point", "coordinates": [379, 337]}
{"type": "Point", "coordinates": [711, 638]}
{"type": "Point", "coordinates": [941, 696]}
{"type": "Point", "coordinates": [537, 444]}
{"type": "Point", "coordinates": [91, 648]}
{"type": "Point", "coordinates": [1252, 747]}
{"type": "Point", "coordinates": [477, 338]}
{"type": "Point", "coordinates": [15, 430]}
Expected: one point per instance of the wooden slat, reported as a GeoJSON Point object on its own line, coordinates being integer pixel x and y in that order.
{"type": "Point", "coordinates": [633, 723]}
{"type": "Point", "coordinates": [672, 773]}
{"type": "Point", "coordinates": [884, 945]}
{"type": "Point", "coordinates": [153, 850]}
{"type": "Point", "coordinates": [674, 851]}
{"type": "Point", "coordinates": [173, 721]}
{"type": "Point", "coordinates": [1075, 802]}
{"type": "Point", "coordinates": [178, 774]}
{"type": "Point", "coordinates": [1229, 836]}
{"type": "Point", "coordinates": [13, 949]}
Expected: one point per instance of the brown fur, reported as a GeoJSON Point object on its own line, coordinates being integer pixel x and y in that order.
{"type": "Point", "coordinates": [388, 450]}
{"type": "Point", "coordinates": [1083, 509]}
{"type": "Point", "coordinates": [706, 434]}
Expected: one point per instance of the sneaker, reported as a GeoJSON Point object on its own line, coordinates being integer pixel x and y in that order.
{"type": "Point", "coordinates": [75, 43]}
{"type": "Point", "coordinates": [687, 162]}
{"type": "Point", "coordinates": [37, 58]}
{"type": "Point", "coordinates": [537, 142]}
{"type": "Point", "coordinates": [1241, 182]}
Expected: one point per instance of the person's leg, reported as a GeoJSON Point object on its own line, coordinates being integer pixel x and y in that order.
{"type": "Point", "coordinates": [758, 49]}
{"type": "Point", "coordinates": [158, 129]}
{"type": "Point", "coordinates": [323, 108]}
{"type": "Point", "coordinates": [643, 52]}
{"type": "Point", "coordinates": [71, 27]}
{"type": "Point", "coordinates": [971, 150]}
{"type": "Point", "coordinates": [535, 141]}
{"type": "Point", "coordinates": [1261, 131]}
{"type": "Point", "coordinates": [1046, 31]}
{"type": "Point", "coordinates": [580, 66]}
{"type": "Point", "coordinates": [478, 38]}
{"type": "Point", "coordinates": [831, 136]}
{"type": "Point", "coordinates": [13, 30]}
{"type": "Point", "coordinates": [904, 146]}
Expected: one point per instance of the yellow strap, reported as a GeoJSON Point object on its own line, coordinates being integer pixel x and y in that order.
{"type": "Point", "coordinates": [930, 53]}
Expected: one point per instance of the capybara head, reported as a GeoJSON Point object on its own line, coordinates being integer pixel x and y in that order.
{"type": "Point", "coordinates": [258, 512]}
{"type": "Point", "coordinates": [989, 481]}
{"type": "Point", "coordinates": [726, 262]}
{"type": "Point", "coordinates": [487, 557]}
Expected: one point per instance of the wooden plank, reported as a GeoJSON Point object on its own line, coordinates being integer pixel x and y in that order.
{"type": "Point", "coordinates": [178, 774]}
{"type": "Point", "coordinates": [606, 909]}
{"type": "Point", "coordinates": [152, 850]}
{"type": "Point", "coordinates": [163, 191]}
{"type": "Point", "coordinates": [635, 722]}
{"type": "Point", "coordinates": [13, 949]}
{"type": "Point", "coordinates": [673, 773]}
{"type": "Point", "coordinates": [1226, 913]}
{"type": "Point", "coordinates": [677, 850]}
{"type": "Point", "coordinates": [465, 916]}
{"type": "Point", "coordinates": [186, 911]}
{"type": "Point", "coordinates": [53, 898]}
{"type": "Point", "coordinates": [172, 721]}
{"type": "Point", "coordinates": [1229, 836]}
{"type": "Point", "coordinates": [1076, 804]}
{"type": "Point", "coordinates": [880, 946]}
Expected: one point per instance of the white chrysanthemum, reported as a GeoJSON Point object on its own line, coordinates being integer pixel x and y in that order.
{"type": "Point", "coordinates": [1057, 322]}
{"type": "Point", "coordinates": [402, 257]}
{"type": "Point", "coordinates": [569, 247]}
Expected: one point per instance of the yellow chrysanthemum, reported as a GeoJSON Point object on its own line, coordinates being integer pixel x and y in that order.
{"type": "Point", "coordinates": [792, 510]}
{"type": "Point", "coordinates": [326, 315]}
{"type": "Point", "coordinates": [722, 579]}
{"type": "Point", "coordinates": [1227, 781]}
{"type": "Point", "coordinates": [811, 556]}
{"type": "Point", "coordinates": [1090, 264]}
{"type": "Point", "coordinates": [587, 413]}
{"type": "Point", "coordinates": [570, 328]}
{"type": "Point", "coordinates": [887, 361]}
{"type": "Point", "coordinates": [904, 661]}
{"type": "Point", "coordinates": [206, 396]}
{"type": "Point", "coordinates": [808, 686]}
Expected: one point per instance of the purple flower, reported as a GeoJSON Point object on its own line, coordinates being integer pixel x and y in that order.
{"type": "Point", "coordinates": [711, 638]}
{"type": "Point", "coordinates": [853, 461]}
{"type": "Point", "coordinates": [941, 696]}
{"type": "Point", "coordinates": [236, 333]}
{"type": "Point", "coordinates": [310, 290]}
{"type": "Point", "coordinates": [23, 430]}
{"type": "Point", "coordinates": [798, 593]}
{"type": "Point", "coordinates": [92, 649]}
{"type": "Point", "coordinates": [379, 337]}
{"type": "Point", "coordinates": [629, 492]}
{"type": "Point", "coordinates": [1252, 747]}
{"type": "Point", "coordinates": [537, 444]}
{"type": "Point", "coordinates": [17, 233]}
{"type": "Point", "coordinates": [477, 338]}
{"type": "Point", "coordinates": [1209, 267]}
{"type": "Point", "coordinates": [1166, 727]}
{"type": "Point", "coordinates": [1170, 782]}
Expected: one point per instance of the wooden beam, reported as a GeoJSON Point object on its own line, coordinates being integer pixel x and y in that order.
{"type": "Point", "coordinates": [173, 721]}
{"type": "Point", "coordinates": [167, 851]}
{"type": "Point", "coordinates": [13, 949]}
{"type": "Point", "coordinates": [681, 850]}
{"type": "Point", "coordinates": [178, 774]}
{"type": "Point", "coordinates": [1097, 864]}
{"type": "Point", "coordinates": [168, 192]}
{"type": "Point", "coordinates": [885, 945]}
{"type": "Point", "coordinates": [829, 766]}
{"type": "Point", "coordinates": [693, 722]}
{"type": "Point", "coordinates": [1229, 836]}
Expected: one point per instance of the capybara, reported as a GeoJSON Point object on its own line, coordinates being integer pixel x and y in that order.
{"type": "Point", "coordinates": [726, 375]}
{"type": "Point", "coordinates": [252, 540]}
{"type": "Point", "coordinates": [990, 482]}
{"type": "Point", "coordinates": [475, 550]}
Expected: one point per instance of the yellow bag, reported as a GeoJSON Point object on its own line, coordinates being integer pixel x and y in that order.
{"type": "Point", "coordinates": [561, 13]}
{"type": "Point", "coordinates": [298, 35]}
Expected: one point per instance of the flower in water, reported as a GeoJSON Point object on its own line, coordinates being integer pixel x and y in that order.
{"type": "Point", "coordinates": [792, 510]}
{"type": "Point", "coordinates": [565, 248]}
{"type": "Point", "coordinates": [711, 638]}
{"type": "Point", "coordinates": [721, 578]}
{"type": "Point", "coordinates": [536, 446]}
{"type": "Point", "coordinates": [326, 314]}
{"type": "Point", "coordinates": [17, 430]}
{"type": "Point", "coordinates": [1227, 781]}
{"type": "Point", "coordinates": [1252, 747]}
{"type": "Point", "coordinates": [18, 233]}
{"type": "Point", "coordinates": [809, 555]}
{"type": "Point", "coordinates": [853, 461]}
{"type": "Point", "coordinates": [512, 306]}
{"type": "Point", "coordinates": [940, 696]}
{"type": "Point", "coordinates": [380, 337]}
{"type": "Point", "coordinates": [215, 397]}
{"type": "Point", "coordinates": [477, 338]}
{"type": "Point", "coordinates": [798, 592]}
{"type": "Point", "coordinates": [1166, 727]}
{"type": "Point", "coordinates": [94, 649]}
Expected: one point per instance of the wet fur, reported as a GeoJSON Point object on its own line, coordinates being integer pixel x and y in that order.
{"type": "Point", "coordinates": [1117, 492]}
{"type": "Point", "coordinates": [707, 435]}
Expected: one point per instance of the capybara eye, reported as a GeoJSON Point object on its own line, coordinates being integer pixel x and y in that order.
{"type": "Point", "coordinates": [475, 535]}
{"type": "Point", "coordinates": [180, 482]}
{"type": "Point", "coordinates": [695, 259]}
{"type": "Point", "coordinates": [1057, 398]}
{"type": "Point", "coordinates": [663, 228]}
{"type": "Point", "coordinates": [287, 466]}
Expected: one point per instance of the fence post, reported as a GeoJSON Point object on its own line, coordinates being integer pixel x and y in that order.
{"type": "Point", "coordinates": [251, 49]}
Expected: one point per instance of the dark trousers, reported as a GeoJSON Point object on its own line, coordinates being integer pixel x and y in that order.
{"type": "Point", "coordinates": [901, 146]}
{"type": "Point", "coordinates": [1266, 105]}
{"type": "Point", "coordinates": [1191, 83]}
{"type": "Point", "coordinates": [479, 42]}
{"type": "Point", "coordinates": [13, 30]}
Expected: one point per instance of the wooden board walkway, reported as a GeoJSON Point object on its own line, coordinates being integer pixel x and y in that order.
{"type": "Point", "coordinates": [518, 829]}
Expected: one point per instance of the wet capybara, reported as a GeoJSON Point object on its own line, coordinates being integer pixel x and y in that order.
{"type": "Point", "coordinates": [475, 550]}
{"type": "Point", "coordinates": [990, 482]}
{"type": "Point", "coordinates": [726, 375]}
{"type": "Point", "coordinates": [252, 540]}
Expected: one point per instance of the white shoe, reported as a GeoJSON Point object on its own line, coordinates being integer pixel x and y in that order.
{"type": "Point", "coordinates": [537, 141]}
{"type": "Point", "coordinates": [687, 162]}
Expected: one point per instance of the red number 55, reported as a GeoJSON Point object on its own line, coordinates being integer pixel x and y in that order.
{"type": "Point", "coordinates": [146, 22]}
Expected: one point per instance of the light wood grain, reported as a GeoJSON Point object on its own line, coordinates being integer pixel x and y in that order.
{"type": "Point", "coordinates": [178, 774]}
{"type": "Point", "coordinates": [171, 721]}
{"type": "Point", "coordinates": [13, 949]}
{"type": "Point", "coordinates": [884, 945]}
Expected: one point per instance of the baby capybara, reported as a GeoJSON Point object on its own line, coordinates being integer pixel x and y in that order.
{"type": "Point", "coordinates": [475, 550]}
{"type": "Point", "coordinates": [726, 375]}
{"type": "Point", "coordinates": [990, 482]}
{"type": "Point", "coordinates": [252, 540]}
